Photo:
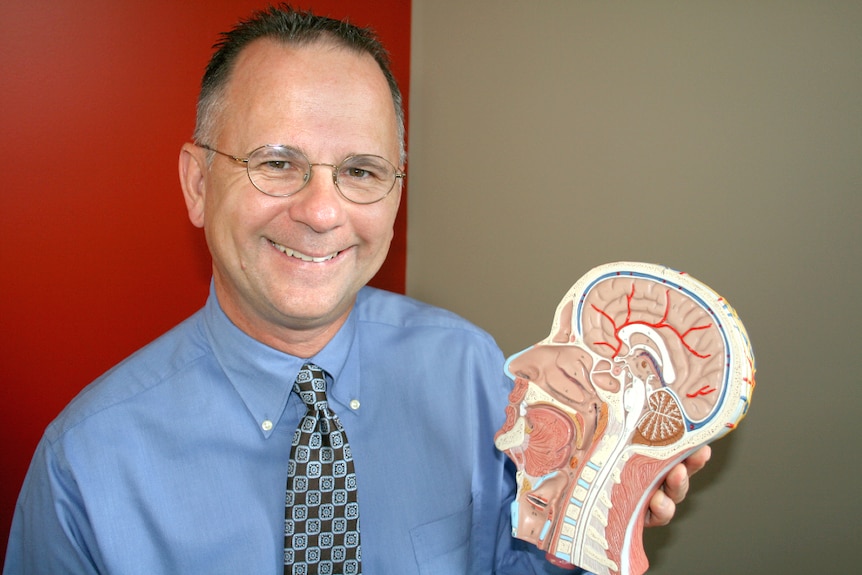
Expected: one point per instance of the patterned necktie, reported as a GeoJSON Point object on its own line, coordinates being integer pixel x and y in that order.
{"type": "Point", "coordinates": [321, 521]}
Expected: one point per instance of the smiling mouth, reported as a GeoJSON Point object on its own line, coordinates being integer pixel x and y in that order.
{"type": "Point", "coordinates": [301, 256]}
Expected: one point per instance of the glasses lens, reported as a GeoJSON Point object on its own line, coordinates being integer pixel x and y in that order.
{"type": "Point", "coordinates": [365, 179]}
{"type": "Point", "coordinates": [278, 170]}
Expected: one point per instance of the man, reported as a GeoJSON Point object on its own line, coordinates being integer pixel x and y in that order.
{"type": "Point", "coordinates": [176, 460]}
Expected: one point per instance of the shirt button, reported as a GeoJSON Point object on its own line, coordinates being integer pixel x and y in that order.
{"type": "Point", "coordinates": [266, 425]}
{"type": "Point", "coordinates": [354, 404]}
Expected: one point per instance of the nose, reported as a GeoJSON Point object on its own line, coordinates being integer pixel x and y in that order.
{"type": "Point", "coordinates": [319, 204]}
{"type": "Point", "coordinates": [521, 366]}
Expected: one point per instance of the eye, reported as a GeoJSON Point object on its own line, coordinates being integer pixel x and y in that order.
{"type": "Point", "coordinates": [274, 165]}
{"type": "Point", "coordinates": [358, 173]}
{"type": "Point", "coordinates": [366, 169]}
{"type": "Point", "coordinates": [277, 160]}
{"type": "Point", "coordinates": [277, 164]}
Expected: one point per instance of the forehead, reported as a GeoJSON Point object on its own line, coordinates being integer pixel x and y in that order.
{"type": "Point", "coordinates": [280, 93]}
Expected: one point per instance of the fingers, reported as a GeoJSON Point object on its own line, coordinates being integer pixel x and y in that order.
{"type": "Point", "coordinates": [676, 483]}
{"type": "Point", "coordinates": [661, 510]}
{"type": "Point", "coordinates": [697, 460]}
{"type": "Point", "coordinates": [662, 506]}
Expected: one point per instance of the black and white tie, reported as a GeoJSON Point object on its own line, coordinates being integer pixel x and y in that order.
{"type": "Point", "coordinates": [321, 522]}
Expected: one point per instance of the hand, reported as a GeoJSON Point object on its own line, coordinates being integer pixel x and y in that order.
{"type": "Point", "coordinates": [662, 506]}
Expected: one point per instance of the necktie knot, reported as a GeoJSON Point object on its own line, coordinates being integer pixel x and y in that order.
{"type": "Point", "coordinates": [310, 385]}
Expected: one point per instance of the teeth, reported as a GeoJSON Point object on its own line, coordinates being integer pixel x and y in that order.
{"type": "Point", "coordinates": [300, 255]}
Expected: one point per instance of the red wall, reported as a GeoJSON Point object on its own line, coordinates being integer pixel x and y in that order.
{"type": "Point", "coordinates": [96, 253]}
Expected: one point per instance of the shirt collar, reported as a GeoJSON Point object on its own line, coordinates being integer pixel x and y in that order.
{"type": "Point", "coordinates": [263, 376]}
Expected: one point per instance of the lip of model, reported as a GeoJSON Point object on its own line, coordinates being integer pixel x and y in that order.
{"type": "Point", "coordinates": [301, 256]}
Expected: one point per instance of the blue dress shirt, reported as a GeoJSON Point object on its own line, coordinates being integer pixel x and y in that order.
{"type": "Point", "coordinates": [175, 461]}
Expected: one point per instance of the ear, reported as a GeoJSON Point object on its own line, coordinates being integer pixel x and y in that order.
{"type": "Point", "coordinates": [193, 169]}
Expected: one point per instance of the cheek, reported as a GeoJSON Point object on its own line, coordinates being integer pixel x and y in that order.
{"type": "Point", "coordinates": [234, 223]}
{"type": "Point", "coordinates": [226, 220]}
{"type": "Point", "coordinates": [241, 206]}
{"type": "Point", "coordinates": [376, 229]}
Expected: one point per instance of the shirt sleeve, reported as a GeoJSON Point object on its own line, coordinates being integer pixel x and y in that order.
{"type": "Point", "coordinates": [50, 531]}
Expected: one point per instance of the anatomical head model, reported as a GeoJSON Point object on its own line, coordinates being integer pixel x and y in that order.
{"type": "Point", "coordinates": [643, 365]}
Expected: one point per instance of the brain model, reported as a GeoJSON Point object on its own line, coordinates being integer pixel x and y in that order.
{"type": "Point", "coordinates": [643, 365]}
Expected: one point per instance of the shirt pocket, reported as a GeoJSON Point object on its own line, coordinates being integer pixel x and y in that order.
{"type": "Point", "coordinates": [442, 546]}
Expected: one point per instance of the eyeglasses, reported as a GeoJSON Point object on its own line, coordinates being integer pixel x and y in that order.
{"type": "Point", "coordinates": [282, 171]}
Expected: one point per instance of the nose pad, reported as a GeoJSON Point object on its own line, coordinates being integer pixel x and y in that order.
{"type": "Point", "coordinates": [334, 174]}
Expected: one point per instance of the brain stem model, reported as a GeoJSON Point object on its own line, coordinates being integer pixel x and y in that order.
{"type": "Point", "coordinates": [643, 365]}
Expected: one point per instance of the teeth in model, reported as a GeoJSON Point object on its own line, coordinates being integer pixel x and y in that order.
{"type": "Point", "coordinates": [302, 256]}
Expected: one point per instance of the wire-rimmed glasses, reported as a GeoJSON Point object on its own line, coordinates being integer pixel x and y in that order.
{"type": "Point", "coordinates": [280, 171]}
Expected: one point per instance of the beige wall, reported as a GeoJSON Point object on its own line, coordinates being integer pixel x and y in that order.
{"type": "Point", "coordinates": [721, 138]}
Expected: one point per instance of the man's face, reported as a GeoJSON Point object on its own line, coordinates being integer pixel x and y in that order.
{"type": "Point", "coordinates": [330, 103]}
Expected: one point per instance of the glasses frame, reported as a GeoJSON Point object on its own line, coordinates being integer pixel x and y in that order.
{"type": "Point", "coordinates": [310, 173]}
